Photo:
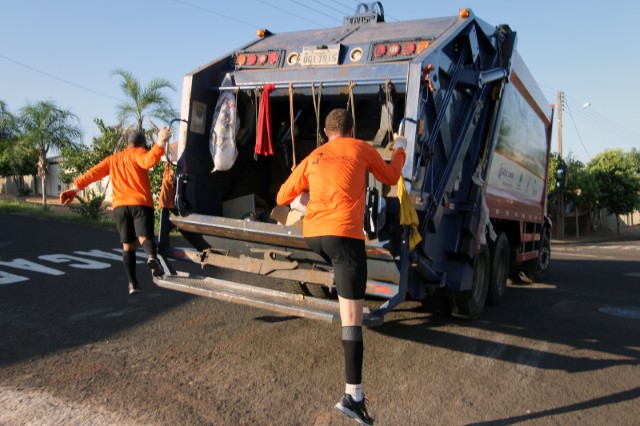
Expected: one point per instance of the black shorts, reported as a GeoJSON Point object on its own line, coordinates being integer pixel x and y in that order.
{"type": "Point", "coordinates": [349, 260]}
{"type": "Point", "coordinates": [133, 221]}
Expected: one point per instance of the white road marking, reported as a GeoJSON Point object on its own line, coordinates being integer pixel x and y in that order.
{"type": "Point", "coordinates": [7, 278]}
{"type": "Point", "coordinates": [81, 263]}
{"type": "Point", "coordinates": [28, 265]}
{"type": "Point", "coordinates": [621, 311]}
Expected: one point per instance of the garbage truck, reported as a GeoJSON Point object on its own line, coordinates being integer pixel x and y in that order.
{"type": "Point", "coordinates": [478, 130]}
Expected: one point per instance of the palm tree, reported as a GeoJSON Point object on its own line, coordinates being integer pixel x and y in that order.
{"type": "Point", "coordinates": [6, 122]}
{"type": "Point", "coordinates": [44, 127]}
{"type": "Point", "coordinates": [144, 102]}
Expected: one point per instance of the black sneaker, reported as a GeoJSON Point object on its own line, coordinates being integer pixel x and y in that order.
{"type": "Point", "coordinates": [155, 266]}
{"type": "Point", "coordinates": [357, 410]}
{"type": "Point", "coordinates": [134, 288]}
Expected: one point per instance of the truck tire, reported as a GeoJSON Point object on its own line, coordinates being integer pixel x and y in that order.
{"type": "Point", "coordinates": [536, 269]}
{"type": "Point", "coordinates": [317, 290]}
{"type": "Point", "coordinates": [500, 258]}
{"type": "Point", "coordinates": [469, 304]}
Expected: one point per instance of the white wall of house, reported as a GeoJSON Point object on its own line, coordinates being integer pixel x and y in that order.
{"type": "Point", "coordinates": [9, 186]}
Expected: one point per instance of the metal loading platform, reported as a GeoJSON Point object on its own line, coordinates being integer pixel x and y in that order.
{"type": "Point", "coordinates": [258, 297]}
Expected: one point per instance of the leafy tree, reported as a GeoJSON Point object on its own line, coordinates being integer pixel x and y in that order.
{"type": "Point", "coordinates": [16, 159]}
{"type": "Point", "coordinates": [144, 102]}
{"type": "Point", "coordinates": [45, 127]}
{"type": "Point", "coordinates": [76, 160]}
{"type": "Point", "coordinates": [617, 174]}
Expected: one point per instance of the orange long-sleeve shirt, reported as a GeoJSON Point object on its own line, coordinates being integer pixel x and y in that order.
{"type": "Point", "coordinates": [129, 171]}
{"type": "Point", "coordinates": [336, 174]}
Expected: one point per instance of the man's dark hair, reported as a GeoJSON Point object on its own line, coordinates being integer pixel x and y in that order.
{"type": "Point", "coordinates": [339, 121]}
{"type": "Point", "coordinates": [137, 138]}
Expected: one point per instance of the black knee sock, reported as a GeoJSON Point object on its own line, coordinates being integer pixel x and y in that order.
{"type": "Point", "coordinates": [353, 353]}
{"type": "Point", "coordinates": [129, 260]}
{"type": "Point", "coordinates": [149, 247]}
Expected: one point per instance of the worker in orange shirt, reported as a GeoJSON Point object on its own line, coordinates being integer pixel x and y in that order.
{"type": "Point", "coordinates": [335, 176]}
{"type": "Point", "coordinates": [132, 200]}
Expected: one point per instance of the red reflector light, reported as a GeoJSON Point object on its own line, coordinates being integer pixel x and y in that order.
{"type": "Point", "coordinates": [273, 58]}
{"type": "Point", "coordinates": [379, 50]}
{"type": "Point", "coordinates": [262, 59]}
{"type": "Point", "coordinates": [251, 59]}
{"type": "Point", "coordinates": [394, 49]}
{"type": "Point", "coordinates": [380, 289]}
{"type": "Point", "coordinates": [408, 48]}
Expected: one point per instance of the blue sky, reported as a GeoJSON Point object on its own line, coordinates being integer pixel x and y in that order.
{"type": "Point", "coordinates": [65, 51]}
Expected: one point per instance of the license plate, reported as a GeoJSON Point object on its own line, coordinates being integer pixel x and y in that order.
{"type": "Point", "coordinates": [315, 57]}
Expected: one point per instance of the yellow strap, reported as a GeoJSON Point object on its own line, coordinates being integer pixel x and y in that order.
{"type": "Point", "coordinates": [408, 215]}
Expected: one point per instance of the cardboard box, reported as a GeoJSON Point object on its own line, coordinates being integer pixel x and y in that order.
{"type": "Point", "coordinates": [285, 216]}
{"type": "Point", "coordinates": [244, 207]}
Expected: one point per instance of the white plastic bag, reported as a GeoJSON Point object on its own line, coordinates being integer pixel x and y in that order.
{"type": "Point", "coordinates": [222, 142]}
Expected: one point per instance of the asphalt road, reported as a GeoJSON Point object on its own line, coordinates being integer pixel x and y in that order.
{"type": "Point", "coordinates": [76, 349]}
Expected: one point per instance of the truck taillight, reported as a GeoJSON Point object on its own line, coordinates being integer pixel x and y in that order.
{"type": "Point", "coordinates": [379, 50]}
{"type": "Point", "coordinates": [261, 59]}
{"type": "Point", "coordinates": [408, 48]}
{"type": "Point", "coordinates": [422, 44]}
{"type": "Point", "coordinates": [394, 50]}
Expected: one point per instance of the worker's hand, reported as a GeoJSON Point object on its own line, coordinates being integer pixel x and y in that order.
{"type": "Point", "coordinates": [163, 136]}
{"type": "Point", "coordinates": [400, 142]}
{"type": "Point", "coordinates": [67, 196]}
{"type": "Point", "coordinates": [299, 204]}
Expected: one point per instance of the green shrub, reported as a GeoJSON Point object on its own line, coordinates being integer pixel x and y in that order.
{"type": "Point", "coordinates": [90, 206]}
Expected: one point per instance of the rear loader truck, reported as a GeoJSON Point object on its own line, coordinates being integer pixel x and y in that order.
{"type": "Point", "coordinates": [478, 130]}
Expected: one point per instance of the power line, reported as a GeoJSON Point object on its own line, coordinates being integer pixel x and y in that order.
{"type": "Point", "coordinates": [231, 18]}
{"type": "Point", "coordinates": [59, 79]}
{"type": "Point", "coordinates": [315, 10]}
{"type": "Point", "coordinates": [597, 121]}
{"type": "Point", "coordinates": [290, 13]}
{"type": "Point", "coordinates": [578, 133]}
{"type": "Point", "coordinates": [349, 9]}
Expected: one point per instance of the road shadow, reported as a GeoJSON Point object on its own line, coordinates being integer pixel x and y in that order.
{"type": "Point", "coordinates": [561, 311]}
{"type": "Point", "coordinates": [615, 398]}
{"type": "Point", "coordinates": [56, 306]}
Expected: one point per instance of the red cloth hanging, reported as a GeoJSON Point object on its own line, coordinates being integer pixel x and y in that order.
{"type": "Point", "coordinates": [263, 133]}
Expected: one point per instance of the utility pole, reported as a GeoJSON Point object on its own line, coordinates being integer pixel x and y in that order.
{"type": "Point", "coordinates": [560, 160]}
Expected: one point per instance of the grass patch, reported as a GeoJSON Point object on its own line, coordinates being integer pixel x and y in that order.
{"type": "Point", "coordinates": [19, 206]}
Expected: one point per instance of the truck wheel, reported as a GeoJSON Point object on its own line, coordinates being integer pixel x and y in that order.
{"type": "Point", "coordinates": [536, 269]}
{"type": "Point", "coordinates": [499, 251]}
{"type": "Point", "coordinates": [469, 304]}
{"type": "Point", "coordinates": [316, 290]}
